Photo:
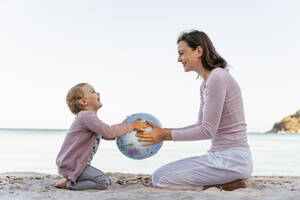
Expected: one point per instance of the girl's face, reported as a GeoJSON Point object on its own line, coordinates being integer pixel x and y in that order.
{"type": "Point", "coordinates": [91, 100]}
{"type": "Point", "coordinates": [190, 59]}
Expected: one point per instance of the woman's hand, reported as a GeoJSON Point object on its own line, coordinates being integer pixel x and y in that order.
{"type": "Point", "coordinates": [139, 125]}
{"type": "Point", "coordinates": [156, 135]}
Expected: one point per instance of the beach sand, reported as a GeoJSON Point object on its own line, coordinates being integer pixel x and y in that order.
{"type": "Point", "coordinates": [31, 185]}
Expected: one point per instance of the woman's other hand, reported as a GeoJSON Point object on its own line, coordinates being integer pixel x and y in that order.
{"type": "Point", "coordinates": [156, 135]}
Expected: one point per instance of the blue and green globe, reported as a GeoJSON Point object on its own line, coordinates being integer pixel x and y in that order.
{"type": "Point", "coordinates": [129, 145]}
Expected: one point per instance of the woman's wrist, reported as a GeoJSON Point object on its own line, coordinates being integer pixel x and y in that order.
{"type": "Point", "coordinates": [167, 134]}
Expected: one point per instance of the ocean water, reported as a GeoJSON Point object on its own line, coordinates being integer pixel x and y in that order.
{"type": "Point", "coordinates": [36, 150]}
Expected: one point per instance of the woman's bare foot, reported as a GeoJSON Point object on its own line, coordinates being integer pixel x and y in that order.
{"type": "Point", "coordinates": [229, 186]}
{"type": "Point", "coordinates": [61, 184]}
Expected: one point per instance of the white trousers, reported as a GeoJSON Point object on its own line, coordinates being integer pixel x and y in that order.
{"type": "Point", "coordinates": [209, 169]}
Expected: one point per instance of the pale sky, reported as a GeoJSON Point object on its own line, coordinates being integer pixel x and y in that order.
{"type": "Point", "coordinates": [127, 50]}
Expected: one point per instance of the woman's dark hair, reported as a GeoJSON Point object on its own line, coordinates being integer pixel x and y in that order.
{"type": "Point", "coordinates": [210, 58]}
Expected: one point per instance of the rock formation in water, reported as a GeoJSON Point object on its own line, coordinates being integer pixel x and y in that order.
{"type": "Point", "coordinates": [289, 124]}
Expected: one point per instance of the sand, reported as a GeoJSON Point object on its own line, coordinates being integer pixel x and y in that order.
{"type": "Point", "coordinates": [31, 185]}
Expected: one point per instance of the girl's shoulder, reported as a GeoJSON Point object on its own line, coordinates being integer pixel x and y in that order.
{"type": "Point", "coordinates": [86, 115]}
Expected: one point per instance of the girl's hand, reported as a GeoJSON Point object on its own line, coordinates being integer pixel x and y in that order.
{"type": "Point", "coordinates": [139, 125]}
{"type": "Point", "coordinates": [156, 135]}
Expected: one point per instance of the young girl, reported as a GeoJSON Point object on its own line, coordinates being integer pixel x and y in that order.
{"type": "Point", "coordinates": [82, 140]}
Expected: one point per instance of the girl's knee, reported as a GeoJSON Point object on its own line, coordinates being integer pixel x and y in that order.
{"type": "Point", "coordinates": [103, 182]}
{"type": "Point", "coordinates": [102, 186]}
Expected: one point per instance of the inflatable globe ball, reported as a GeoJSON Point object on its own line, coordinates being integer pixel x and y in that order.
{"type": "Point", "coordinates": [128, 143]}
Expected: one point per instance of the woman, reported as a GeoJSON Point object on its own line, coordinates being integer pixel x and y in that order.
{"type": "Point", "coordinates": [221, 119]}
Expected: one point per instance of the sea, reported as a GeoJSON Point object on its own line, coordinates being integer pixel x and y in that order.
{"type": "Point", "coordinates": [35, 150]}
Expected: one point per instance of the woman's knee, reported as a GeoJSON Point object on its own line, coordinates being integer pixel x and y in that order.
{"type": "Point", "coordinates": [156, 176]}
{"type": "Point", "coordinates": [243, 173]}
{"type": "Point", "coordinates": [160, 178]}
{"type": "Point", "coordinates": [247, 171]}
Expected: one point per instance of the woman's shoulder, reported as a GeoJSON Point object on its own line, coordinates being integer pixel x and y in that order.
{"type": "Point", "coordinates": [217, 74]}
{"type": "Point", "coordinates": [220, 77]}
{"type": "Point", "coordinates": [224, 77]}
{"type": "Point", "coordinates": [220, 73]}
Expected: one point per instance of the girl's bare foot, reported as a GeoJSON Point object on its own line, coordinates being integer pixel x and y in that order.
{"type": "Point", "coordinates": [61, 184]}
{"type": "Point", "coordinates": [229, 186]}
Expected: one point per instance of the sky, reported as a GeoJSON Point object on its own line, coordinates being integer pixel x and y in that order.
{"type": "Point", "coordinates": [127, 51]}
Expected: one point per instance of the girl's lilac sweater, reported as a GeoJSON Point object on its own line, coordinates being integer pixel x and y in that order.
{"type": "Point", "coordinates": [78, 144]}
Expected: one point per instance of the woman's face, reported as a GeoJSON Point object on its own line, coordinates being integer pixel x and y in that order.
{"type": "Point", "coordinates": [190, 59]}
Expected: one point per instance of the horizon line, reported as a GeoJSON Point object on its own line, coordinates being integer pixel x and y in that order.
{"type": "Point", "coordinates": [57, 129]}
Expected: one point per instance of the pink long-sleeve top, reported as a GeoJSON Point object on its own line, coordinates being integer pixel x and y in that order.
{"type": "Point", "coordinates": [221, 114]}
{"type": "Point", "coordinates": [78, 144]}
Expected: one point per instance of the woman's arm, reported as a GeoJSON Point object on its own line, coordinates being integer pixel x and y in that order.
{"type": "Point", "coordinates": [200, 113]}
{"type": "Point", "coordinates": [214, 99]}
{"type": "Point", "coordinates": [187, 127]}
{"type": "Point", "coordinates": [214, 96]}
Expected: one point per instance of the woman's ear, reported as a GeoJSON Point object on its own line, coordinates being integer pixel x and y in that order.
{"type": "Point", "coordinates": [199, 51]}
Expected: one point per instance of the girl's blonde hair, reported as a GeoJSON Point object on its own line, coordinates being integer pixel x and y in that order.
{"type": "Point", "coordinates": [73, 97]}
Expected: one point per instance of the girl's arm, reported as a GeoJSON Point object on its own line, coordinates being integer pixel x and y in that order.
{"type": "Point", "coordinates": [93, 123]}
